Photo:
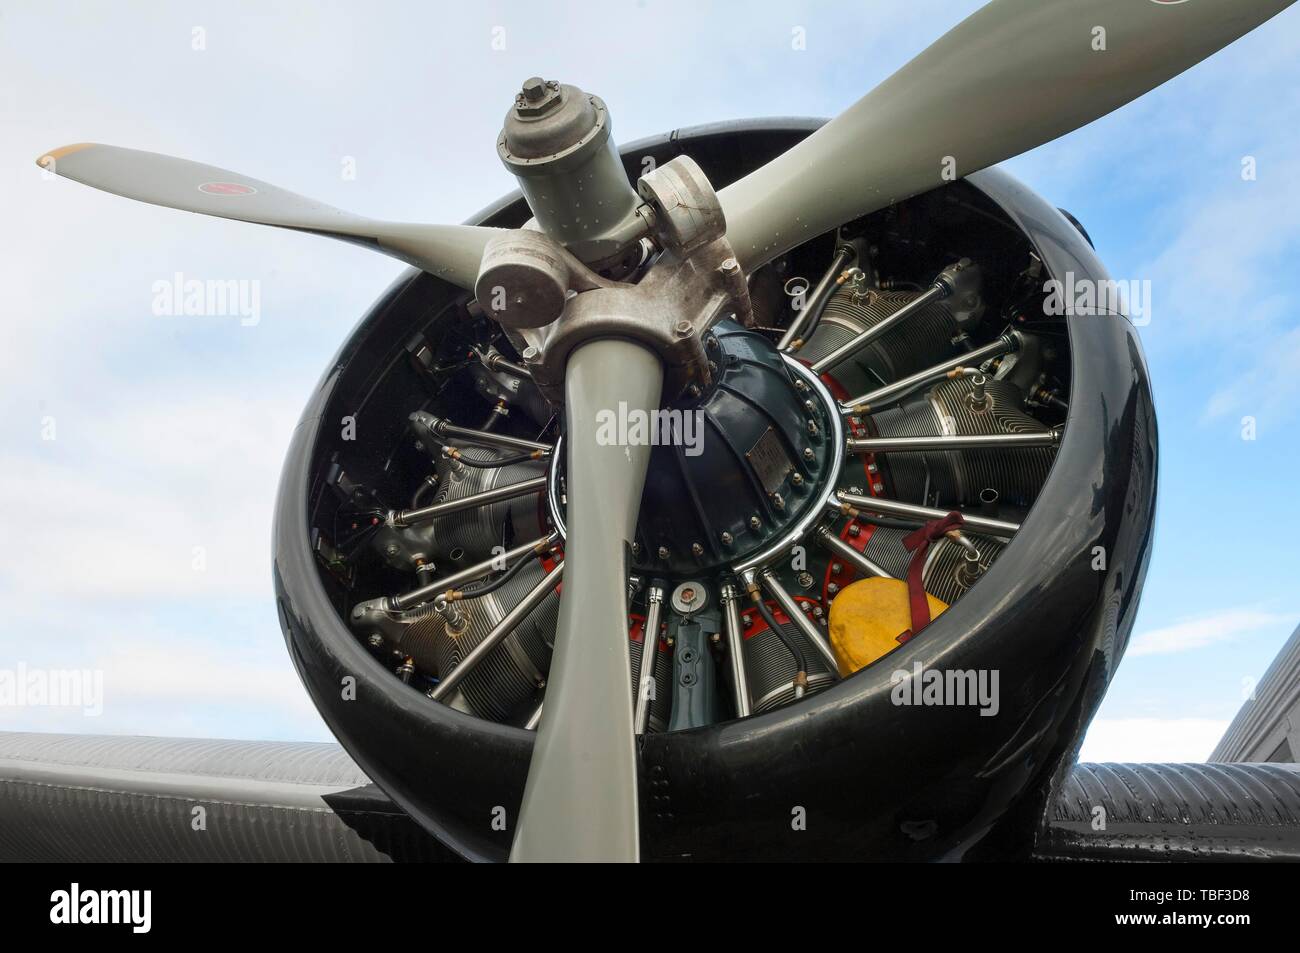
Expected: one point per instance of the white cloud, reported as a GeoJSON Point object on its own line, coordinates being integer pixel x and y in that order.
{"type": "Point", "coordinates": [1151, 739]}
{"type": "Point", "coordinates": [117, 504]}
{"type": "Point", "coordinates": [1199, 633]}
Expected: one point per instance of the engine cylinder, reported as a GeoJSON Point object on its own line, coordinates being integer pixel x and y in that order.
{"type": "Point", "coordinates": [953, 478]}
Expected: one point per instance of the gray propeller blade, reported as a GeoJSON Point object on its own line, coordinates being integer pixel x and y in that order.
{"type": "Point", "coordinates": [451, 252]}
{"type": "Point", "coordinates": [1012, 76]}
{"type": "Point", "coordinates": [580, 803]}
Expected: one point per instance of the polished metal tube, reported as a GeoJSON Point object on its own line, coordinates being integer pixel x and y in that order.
{"type": "Point", "coordinates": [900, 388]}
{"type": "Point", "coordinates": [923, 514]}
{"type": "Point", "coordinates": [649, 650]}
{"type": "Point", "coordinates": [796, 616]}
{"type": "Point", "coordinates": [825, 288]}
{"type": "Point", "coordinates": [469, 574]}
{"type": "Point", "coordinates": [475, 500]}
{"type": "Point", "coordinates": [534, 719]}
{"type": "Point", "coordinates": [531, 601]}
{"type": "Point", "coordinates": [446, 428]}
{"type": "Point", "coordinates": [833, 544]}
{"type": "Point", "coordinates": [851, 347]}
{"type": "Point", "coordinates": [495, 362]}
{"type": "Point", "coordinates": [1008, 441]}
{"type": "Point", "coordinates": [736, 648]}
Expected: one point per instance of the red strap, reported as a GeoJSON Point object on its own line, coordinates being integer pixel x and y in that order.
{"type": "Point", "coordinates": [918, 544]}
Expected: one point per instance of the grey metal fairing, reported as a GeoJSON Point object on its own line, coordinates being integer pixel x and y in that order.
{"type": "Point", "coordinates": [876, 779]}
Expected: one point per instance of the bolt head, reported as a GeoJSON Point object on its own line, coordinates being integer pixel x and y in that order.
{"type": "Point", "coordinates": [534, 88]}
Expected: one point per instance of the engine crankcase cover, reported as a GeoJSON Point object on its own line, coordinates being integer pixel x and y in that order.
{"type": "Point", "coordinates": [734, 467]}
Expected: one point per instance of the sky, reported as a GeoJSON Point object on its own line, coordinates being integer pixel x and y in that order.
{"type": "Point", "coordinates": [139, 451]}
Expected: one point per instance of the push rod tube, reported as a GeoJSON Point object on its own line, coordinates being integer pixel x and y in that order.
{"type": "Point", "coordinates": [495, 362]}
{"type": "Point", "coordinates": [849, 348]}
{"type": "Point", "coordinates": [945, 284]}
{"type": "Point", "coordinates": [534, 719]}
{"type": "Point", "coordinates": [498, 634]}
{"type": "Point", "coordinates": [1010, 441]}
{"type": "Point", "coordinates": [445, 428]}
{"type": "Point", "coordinates": [816, 301]}
{"type": "Point", "coordinates": [474, 501]}
{"type": "Point", "coordinates": [901, 388]}
{"type": "Point", "coordinates": [736, 648]}
{"type": "Point", "coordinates": [649, 650]}
{"type": "Point", "coordinates": [796, 616]}
{"type": "Point", "coordinates": [471, 573]}
{"type": "Point", "coordinates": [923, 514]}
{"type": "Point", "coordinates": [837, 547]}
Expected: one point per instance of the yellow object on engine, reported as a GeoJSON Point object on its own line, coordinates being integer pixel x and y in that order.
{"type": "Point", "coordinates": [870, 618]}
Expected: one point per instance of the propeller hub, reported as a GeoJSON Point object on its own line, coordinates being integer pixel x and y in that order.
{"type": "Point", "coordinates": [556, 141]}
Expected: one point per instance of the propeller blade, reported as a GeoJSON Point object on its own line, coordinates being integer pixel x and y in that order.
{"type": "Point", "coordinates": [451, 252]}
{"type": "Point", "coordinates": [580, 803]}
{"type": "Point", "coordinates": [1012, 76]}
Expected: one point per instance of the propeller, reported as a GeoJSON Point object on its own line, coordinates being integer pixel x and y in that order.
{"type": "Point", "coordinates": [580, 801]}
{"type": "Point", "coordinates": [1012, 76]}
{"type": "Point", "coordinates": [451, 252]}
